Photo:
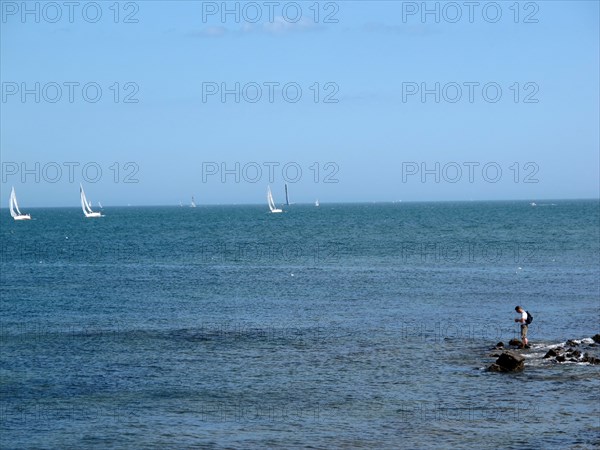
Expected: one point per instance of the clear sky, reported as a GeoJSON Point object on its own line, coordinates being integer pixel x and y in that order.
{"type": "Point", "coordinates": [516, 116]}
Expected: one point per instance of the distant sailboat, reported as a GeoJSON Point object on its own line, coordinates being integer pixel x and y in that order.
{"type": "Point", "coordinates": [100, 205]}
{"type": "Point", "coordinates": [287, 197]}
{"type": "Point", "coordinates": [317, 203]}
{"type": "Point", "coordinates": [193, 204]}
{"type": "Point", "coordinates": [85, 205]}
{"type": "Point", "coordinates": [272, 202]}
{"type": "Point", "coordinates": [14, 208]}
{"type": "Point", "coordinates": [533, 204]}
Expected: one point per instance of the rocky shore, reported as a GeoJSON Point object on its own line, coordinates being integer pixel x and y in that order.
{"type": "Point", "coordinates": [512, 360]}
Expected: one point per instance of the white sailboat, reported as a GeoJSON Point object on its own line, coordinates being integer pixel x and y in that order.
{"type": "Point", "coordinates": [15, 212]}
{"type": "Point", "coordinates": [271, 202]}
{"type": "Point", "coordinates": [85, 205]}
{"type": "Point", "coordinates": [100, 205]}
{"type": "Point", "coordinates": [317, 203]}
{"type": "Point", "coordinates": [193, 204]}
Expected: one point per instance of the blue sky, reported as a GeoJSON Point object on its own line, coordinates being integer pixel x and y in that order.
{"type": "Point", "coordinates": [539, 139]}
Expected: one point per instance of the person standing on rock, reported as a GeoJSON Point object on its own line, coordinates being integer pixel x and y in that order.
{"type": "Point", "coordinates": [523, 321]}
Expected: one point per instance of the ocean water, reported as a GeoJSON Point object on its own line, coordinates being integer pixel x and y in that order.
{"type": "Point", "coordinates": [344, 326]}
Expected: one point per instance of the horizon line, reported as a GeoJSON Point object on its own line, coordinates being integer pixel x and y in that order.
{"type": "Point", "coordinates": [198, 205]}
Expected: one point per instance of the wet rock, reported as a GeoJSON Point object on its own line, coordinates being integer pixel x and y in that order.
{"type": "Point", "coordinates": [495, 354]}
{"type": "Point", "coordinates": [500, 344]}
{"type": "Point", "coordinates": [572, 343]}
{"type": "Point", "coordinates": [590, 359]}
{"type": "Point", "coordinates": [596, 338]}
{"type": "Point", "coordinates": [508, 361]}
{"type": "Point", "coordinates": [576, 354]}
{"type": "Point", "coordinates": [516, 342]}
{"type": "Point", "coordinates": [573, 359]}
{"type": "Point", "coordinates": [561, 358]}
{"type": "Point", "coordinates": [551, 353]}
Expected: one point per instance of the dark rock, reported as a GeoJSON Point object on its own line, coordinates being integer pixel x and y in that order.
{"type": "Point", "coordinates": [592, 345]}
{"type": "Point", "coordinates": [500, 344]}
{"type": "Point", "coordinates": [495, 368]}
{"type": "Point", "coordinates": [596, 338]}
{"type": "Point", "coordinates": [573, 359]}
{"type": "Point", "coordinates": [495, 354]}
{"type": "Point", "coordinates": [561, 358]}
{"type": "Point", "coordinates": [576, 354]}
{"type": "Point", "coordinates": [516, 342]}
{"type": "Point", "coordinates": [551, 353]}
{"type": "Point", "coordinates": [508, 361]}
{"type": "Point", "coordinates": [590, 359]}
{"type": "Point", "coordinates": [572, 343]}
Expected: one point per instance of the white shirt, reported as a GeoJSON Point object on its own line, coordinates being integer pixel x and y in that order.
{"type": "Point", "coordinates": [524, 318]}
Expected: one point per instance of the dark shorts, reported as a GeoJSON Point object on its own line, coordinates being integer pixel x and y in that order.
{"type": "Point", "coordinates": [524, 332]}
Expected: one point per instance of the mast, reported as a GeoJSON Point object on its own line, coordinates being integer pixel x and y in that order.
{"type": "Point", "coordinates": [287, 198]}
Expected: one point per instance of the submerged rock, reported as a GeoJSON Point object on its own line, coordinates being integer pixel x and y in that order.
{"type": "Point", "coordinates": [508, 361]}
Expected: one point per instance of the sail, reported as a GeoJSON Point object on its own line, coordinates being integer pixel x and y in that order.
{"type": "Point", "coordinates": [13, 203]}
{"type": "Point", "coordinates": [15, 212]}
{"type": "Point", "coordinates": [271, 202]}
{"type": "Point", "coordinates": [287, 198]}
{"type": "Point", "coordinates": [86, 205]}
{"type": "Point", "coordinates": [193, 204]}
{"type": "Point", "coordinates": [270, 199]}
{"type": "Point", "coordinates": [84, 202]}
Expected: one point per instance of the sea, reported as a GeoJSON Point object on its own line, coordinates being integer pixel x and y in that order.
{"type": "Point", "coordinates": [340, 326]}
